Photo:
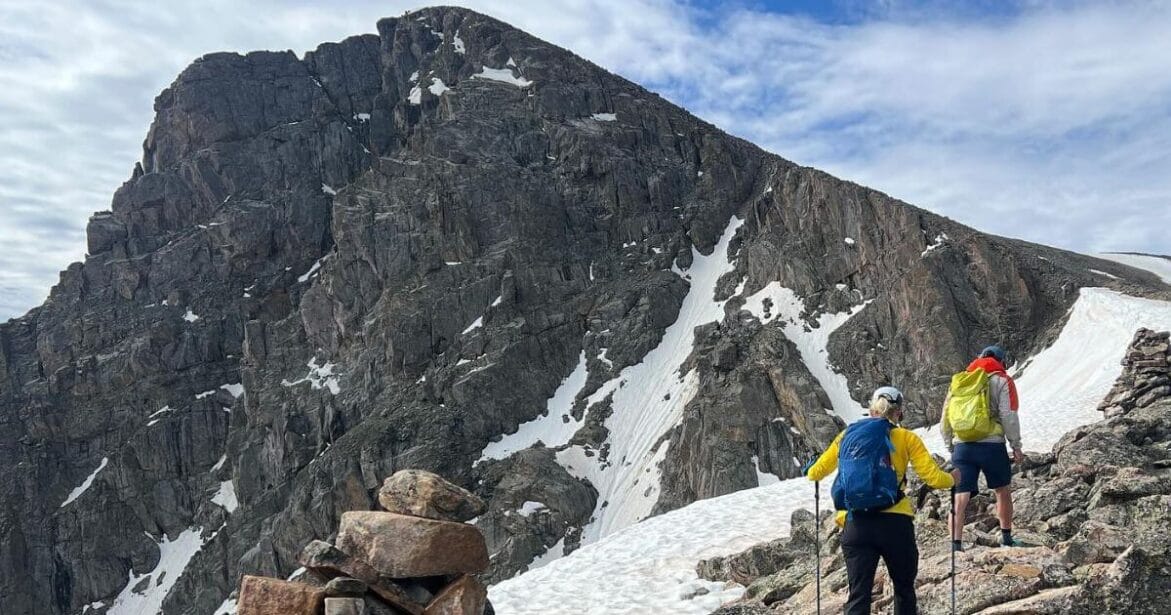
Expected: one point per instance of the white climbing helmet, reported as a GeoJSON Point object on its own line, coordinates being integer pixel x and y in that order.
{"type": "Point", "coordinates": [890, 394]}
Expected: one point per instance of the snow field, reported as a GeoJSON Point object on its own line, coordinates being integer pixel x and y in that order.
{"type": "Point", "coordinates": [1061, 387]}
{"type": "Point", "coordinates": [650, 567]}
{"type": "Point", "coordinates": [1156, 265]}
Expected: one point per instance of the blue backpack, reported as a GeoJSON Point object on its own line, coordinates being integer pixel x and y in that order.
{"type": "Point", "coordinates": [866, 482]}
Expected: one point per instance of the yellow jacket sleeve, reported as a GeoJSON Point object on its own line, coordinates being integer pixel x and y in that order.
{"type": "Point", "coordinates": [925, 465]}
{"type": "Point", "coordinates": [827, 463]}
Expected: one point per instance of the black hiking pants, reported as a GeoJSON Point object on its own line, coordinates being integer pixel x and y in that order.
{"type": "Point", "coordinates": [890, 536]}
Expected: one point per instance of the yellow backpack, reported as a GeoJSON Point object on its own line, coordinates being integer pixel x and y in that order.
{"type": "Point", "coordinates": [968, 409]}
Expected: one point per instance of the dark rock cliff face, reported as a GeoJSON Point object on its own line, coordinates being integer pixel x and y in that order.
{"type": "Point", "coordinates": [390, 252]}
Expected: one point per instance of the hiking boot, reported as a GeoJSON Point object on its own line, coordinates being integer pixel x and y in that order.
{"type": "Point", "coordinates": [1011, 542]}
{"type": "Point", "coordinates": [957, 546]}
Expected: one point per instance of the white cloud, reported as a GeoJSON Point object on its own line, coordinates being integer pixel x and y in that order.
{"type": "Point", "coordinates": [1052, 124]}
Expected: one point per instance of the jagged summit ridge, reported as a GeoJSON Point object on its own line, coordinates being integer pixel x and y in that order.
{"type": "Point", "coordinates": [393, 251]}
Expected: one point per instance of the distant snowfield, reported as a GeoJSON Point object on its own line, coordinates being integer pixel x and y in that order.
{"type": "Point", "coordinates": [649, 567]}
{"type": "Point", "coordinates": [1156, 265]}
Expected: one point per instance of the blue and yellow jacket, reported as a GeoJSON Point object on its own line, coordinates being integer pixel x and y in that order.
{"type": "Point", "coordinates": [908, 448]}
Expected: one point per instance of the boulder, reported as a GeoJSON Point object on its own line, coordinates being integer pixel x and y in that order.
{"type": "Point", "coordinates": [464, 596]}
{"type": "Point", "coordinates": [1095, 543]}
{"type": "Point", "coordinates": [783, 584]}
{"type": "Point", "coordinates": [1137, 583]}
{"type": "Point", "coordinates": [324, 558]}
{"type": "Point", "coordinates": [345, 606]}
{"type": "Point", "coordinates": [345, 587]}
{"type": "Point", "coordinates": [424, 494]}
{"type": "Point", "coordinates": [402, 546]}
{"type": "Point", "coordinates": [264, 596]}
{"type": "Point", "coordinates": [1046, 602]}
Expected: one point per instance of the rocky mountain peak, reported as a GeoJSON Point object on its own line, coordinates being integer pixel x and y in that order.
{"type": "Point", "coordinates": [452, 246]}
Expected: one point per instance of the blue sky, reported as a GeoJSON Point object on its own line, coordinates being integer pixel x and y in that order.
{"type": "Point", "coordinates": [1048, 121]}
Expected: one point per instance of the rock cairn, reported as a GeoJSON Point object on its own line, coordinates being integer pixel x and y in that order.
{"type": "Point", "coordinates": [416, 557]}
{"type": "Point", "coordinates": [1146, 374]}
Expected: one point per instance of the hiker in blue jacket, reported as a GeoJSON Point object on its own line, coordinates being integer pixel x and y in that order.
{"type": "Point", "coordinates": [871, 457]}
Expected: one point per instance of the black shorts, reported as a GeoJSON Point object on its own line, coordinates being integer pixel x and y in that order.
{"type": "Point", "coordinates": [972, 458]}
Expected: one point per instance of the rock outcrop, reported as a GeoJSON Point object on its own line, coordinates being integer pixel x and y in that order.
{"type": "Point", "coordinates": [393, 251]}
{"type": "Point", "coordinates": [1093, 513]}
{"type": "Point", "coordinates": [1146, 376]}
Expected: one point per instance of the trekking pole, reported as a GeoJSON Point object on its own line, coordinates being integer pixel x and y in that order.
{"type": "Point", "coordinates": [951, 536]}
{"type": "Point", "coordinates": [817, 538]}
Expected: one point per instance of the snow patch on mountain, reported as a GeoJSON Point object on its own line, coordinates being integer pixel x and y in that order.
{"type": "Point", "coordinates": [226, 497]}
{"type": "Point", "coordinates": [174, 555]}
{"type": "Point", "coordinates": [554, 428]}
{"type": "Point", "coordinates": [777, 303]}
{"type": "Point", "coordinates": [650, 567]}
{"type": "Point", "coordinates": [648, 401]}
{"type": "Point", "coordinates": [319, 377]}
{"type": "Point", "coordinates": [503, 75]}
{"type": "Point", "coordinates": [85, 484]}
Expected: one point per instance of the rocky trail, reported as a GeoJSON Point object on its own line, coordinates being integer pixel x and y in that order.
{"type": "Point", "coordinates": [1094, 514]}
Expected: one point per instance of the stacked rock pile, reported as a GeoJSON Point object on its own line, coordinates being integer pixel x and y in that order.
{"type": "Point", "coordinates": [417, 557]}
{"type": "Point", "coordinates": [1146, 374]}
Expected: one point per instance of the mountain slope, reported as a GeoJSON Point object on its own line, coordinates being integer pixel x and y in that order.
{"type": "Point", "coordinates": [395, 250]}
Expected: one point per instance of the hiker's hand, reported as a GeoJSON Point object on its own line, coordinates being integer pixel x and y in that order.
{"type": "Point", "coordinates": [1017, 456]}
{"type": "Point", "coordinates": [956, 475]}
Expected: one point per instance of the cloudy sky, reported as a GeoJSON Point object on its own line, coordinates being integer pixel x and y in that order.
{"type": "Point", "coordinates": [1048, 121]}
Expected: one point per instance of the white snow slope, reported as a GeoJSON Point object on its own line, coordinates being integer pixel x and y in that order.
{"type": "Point", "coordinates": [648, 401]}
{"type": "Point", "coordinates": [1156, 265]}
{"type": "Point", "coordinates": [554, 428]}
{"type": "Point", "coordinates": [649, 567]}
{"type": "Point", "coordinates": [173, 559]}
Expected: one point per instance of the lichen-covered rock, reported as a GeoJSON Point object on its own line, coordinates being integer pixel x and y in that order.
{"type": "Point", "coordinates": [325, 559]}
{"type": "Point", "coordinates": [263, 596]}
{"type": "Point", "coordinates": [1095, 543]}
{"type": "Point", "coordinates": [402, 546]}
{"type": "Point", "coordinates": [344, 587]}
{"type": "Point", "coordinates": [1137, 582]}
{"type": "Point", "coordinates": [425, 494]}
{"type": "Point", "coordinates": [345, 606]}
